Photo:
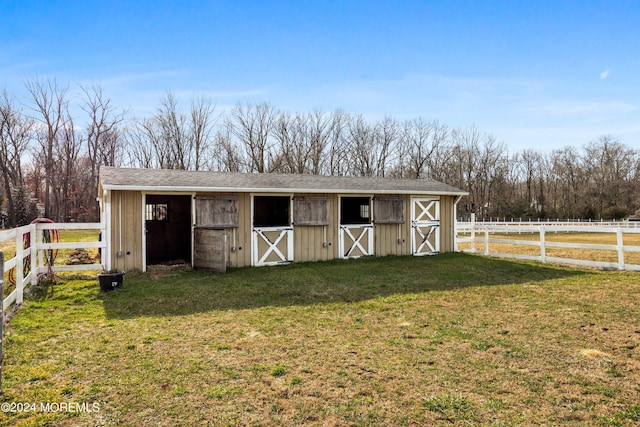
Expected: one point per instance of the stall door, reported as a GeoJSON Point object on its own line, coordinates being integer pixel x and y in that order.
{"type": "Point", "coordinates": [355, 236]}
{"type": "Point", "coordinates": [425, 226]}
{"type": "Point", "coordinates": [355, 241]}
{"type": "Point", "coordinates": [271, 231]}
{"type": "Point", "coordinates": [272, 245]}
{"type": "Point", "coordinates": [210, 249]}
{"type": "Point", "coordinates": [168, 229]}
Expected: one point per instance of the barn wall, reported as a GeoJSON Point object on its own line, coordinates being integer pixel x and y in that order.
{"type": "Point", "coordinates": [126, 206]}
{"type": "Point", "coordinates": [310, 243]}
{"type": "Point", "coordinates": [334, 226]}
{"type": "Point", "coordinates": [447, 223]}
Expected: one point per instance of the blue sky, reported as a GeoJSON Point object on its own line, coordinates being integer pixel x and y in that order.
{"type": "Point", "coordinates": [535, 74]}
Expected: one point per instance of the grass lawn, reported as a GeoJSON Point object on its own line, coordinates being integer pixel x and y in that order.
{"type": "Point", "coordinates": [452, 339]}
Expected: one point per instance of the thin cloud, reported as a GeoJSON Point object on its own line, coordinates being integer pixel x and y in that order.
{"type": "Point", "coordinates": [605, 74]}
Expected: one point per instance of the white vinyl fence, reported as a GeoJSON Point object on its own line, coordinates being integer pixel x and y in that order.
{"type": "Point", "coordinates": [32, 252]}
{"type": "Point", "coordinates": [479, 235]}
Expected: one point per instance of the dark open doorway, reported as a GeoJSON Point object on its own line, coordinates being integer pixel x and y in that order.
{"type": "Point", "coordinates": [271, 211]}
{"type": "Point", "coordinates": [168, 229]}
{"type": "Point", "coordinates": [355, 210]}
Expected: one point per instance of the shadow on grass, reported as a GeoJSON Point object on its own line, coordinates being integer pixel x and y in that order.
{"type": "Point", "coordinates": [188, 292]}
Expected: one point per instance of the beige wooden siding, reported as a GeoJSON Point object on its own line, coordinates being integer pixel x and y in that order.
{"type": "Point", "coordinates": [308, 244]}
{"type": "Point", "coordinates": [126, 206]}
{"type": "Point", "coordinates": [238, 239]}
{"type": "Point", "coordinates": [390, 239]}
{"type": "Point", "coordinates": [242, 255]}
{"type": "Point", "coordinates": [447, 222]}
{"type": "Point", "coordinates": [334, 227]}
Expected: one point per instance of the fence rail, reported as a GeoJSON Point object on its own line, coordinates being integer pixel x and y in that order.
{"type": "Point", "coordinates": [31, 254]}
{"type": "Point", "coordinates": [479, 233]}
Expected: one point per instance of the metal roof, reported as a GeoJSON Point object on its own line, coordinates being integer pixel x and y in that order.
{"type": "Point", "coordinates": [171, 180]}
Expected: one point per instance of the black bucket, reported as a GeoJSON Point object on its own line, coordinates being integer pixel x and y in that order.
{"type": "Point", "coordinates": [110, 281]}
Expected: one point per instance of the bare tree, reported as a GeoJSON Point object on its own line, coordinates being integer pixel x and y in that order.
{"type": "Point", "coordinates": [338, 164]}
{"type": "Point", "coordinates": [201, 126]}
{"type": "Point", "coordinates": [567, 171]}
{"type": "Point", "coordinates": [67, 156]}
{"type": "Point", "coordinates": [226, 154]}
{"type": "Point", "coordinates": [51, 110]}
{"type": "Point", "coordinates": [171, 125]}
{"type": "Point", "coordinates": [16, 132]}
{"type": "Point", "coordinates": [319, 129]}
{"type": "Point", "coordinates": [610, 167]}
{"type": "Point", "coordinates": [424, 142]}
{"type": "Point", "coordinates": [370, 145]}
{"type": "Point", "coordinates": [386, 141]}
{"type": "Point", "coordinates": [440, 153]}
{"type": "Point", "coordinates": [530, 162]}
{"type": "Point", "coordinates": [251, 126]}
{"type": "Point", "coordinates": [103, 139]}
{"type": "Point", "coordinates": [292, 133]}
{"type": "Point", "coordinates": [140, 152]}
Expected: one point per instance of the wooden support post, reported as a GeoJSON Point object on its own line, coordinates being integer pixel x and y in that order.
{"type": "Point", "coordinates": [620, 248]}
{"type": "Point", "coordinates": [34, 255]}
{"type": "Point", "coordinates": [473, 233]}
{"type": "Point", "coordinates": [486, 241]}
{"type": "Point", "coordinates": [1, 313]}
{"type": "Point", "coordinates": [543, 249]}
{"type": "Point", "coordinates": [19, 268]}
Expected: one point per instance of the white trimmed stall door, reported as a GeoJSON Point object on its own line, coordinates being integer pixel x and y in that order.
{"type": "Point", "coordinates": [425, 226]}
{"type": "Point", "coordinates": [355, 241]}
{"type": "Point", "coordinates": [271, 245]}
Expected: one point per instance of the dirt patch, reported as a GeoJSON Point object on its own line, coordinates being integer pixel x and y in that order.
{"type": "Point", "coordinates": [162, 269]}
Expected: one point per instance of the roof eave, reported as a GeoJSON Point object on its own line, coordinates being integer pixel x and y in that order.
{"type": "Point", "coordinates": [187, 189]}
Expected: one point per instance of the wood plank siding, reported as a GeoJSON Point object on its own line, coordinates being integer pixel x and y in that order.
{"type": "Point", "coordinates": [447, 224]}
{"type": "Point", "coordinates": [126, 230]}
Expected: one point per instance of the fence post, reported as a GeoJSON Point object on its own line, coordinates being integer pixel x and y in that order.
{"type": "Point", "coordinates": [1, 312]}
{"type": "Point", "coordinates": [543, 249]}
{"type": "Point", "coordinates": [19, 268]}
{"type": "Point", "coordinates": [486, 241]}
{"type": "Point", "coordinates": [473, 233]}
{"type": "Point", "coordinates": [620, 248]}
{"type": "Point", "coordinates": [33, 250]}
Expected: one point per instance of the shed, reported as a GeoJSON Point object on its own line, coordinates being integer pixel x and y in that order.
{"type": "Point", "coordinates": [215, 220]}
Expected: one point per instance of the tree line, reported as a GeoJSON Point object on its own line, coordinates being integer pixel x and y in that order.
{"type": "Point", "coordinates": [50, 159]}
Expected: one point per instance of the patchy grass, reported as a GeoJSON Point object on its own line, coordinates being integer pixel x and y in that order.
{"type": "Point", "coordinates": [452, 339]}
